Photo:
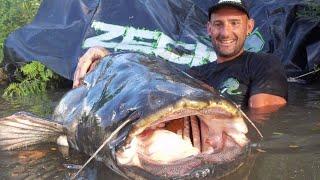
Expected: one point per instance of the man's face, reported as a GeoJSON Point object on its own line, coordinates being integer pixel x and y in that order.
{"type": "Point", "coordinates": [228, 29]}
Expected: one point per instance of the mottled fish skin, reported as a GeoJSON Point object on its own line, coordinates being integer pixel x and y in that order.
{"type": "Point", "coordinates": [139, 87]}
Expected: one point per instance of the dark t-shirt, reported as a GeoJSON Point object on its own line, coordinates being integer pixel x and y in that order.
{"type": "Point", "coordinates": [246, 75]}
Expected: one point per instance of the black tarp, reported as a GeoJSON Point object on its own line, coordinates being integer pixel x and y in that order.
{"type": "Point", "coordinates": [172, 29]}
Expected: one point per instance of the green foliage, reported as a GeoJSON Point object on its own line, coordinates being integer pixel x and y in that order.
{"type": "Point", "coordinates": [35, 80]}
{"type": "Point", "coordinates": [14, 14]}
{"type": "Point", "coordinates": [311, 10]}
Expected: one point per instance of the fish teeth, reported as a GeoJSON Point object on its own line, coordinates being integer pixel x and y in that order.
{"type": "Point", "coordinates": [195, 132]}
{"type": "Point", "coordinates": [186, 129]}
{"type": "Point", "coordinates": [206, 146]}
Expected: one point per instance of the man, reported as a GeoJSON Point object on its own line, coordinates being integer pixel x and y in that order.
{"type": "Point", "coordinates": [250, 79]}
{"type": "Point", "coordinates": [253, 79]}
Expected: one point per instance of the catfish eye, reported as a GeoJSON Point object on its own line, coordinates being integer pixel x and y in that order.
{"type": "Point", "coordinates": [155, 100]}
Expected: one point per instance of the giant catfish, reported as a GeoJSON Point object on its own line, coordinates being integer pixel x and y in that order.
{"type": "Point", "coordinates": [177, 127]}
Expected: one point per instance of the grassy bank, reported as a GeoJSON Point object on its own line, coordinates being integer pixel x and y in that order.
{"type": "Point", "coordinates": [14, 14]}
{"type": "Point", "coordinates": [32, 78]}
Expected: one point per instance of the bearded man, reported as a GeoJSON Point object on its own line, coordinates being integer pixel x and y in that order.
{"type": "Point", "coordinates": [254, 80]}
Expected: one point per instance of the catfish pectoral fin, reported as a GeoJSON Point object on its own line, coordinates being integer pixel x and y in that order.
{"type": "Point", "coordinates": [23, 129]}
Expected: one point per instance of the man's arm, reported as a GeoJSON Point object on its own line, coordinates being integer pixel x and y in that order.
{"type": "Point", "coordinates": [263, 100]}
{"type": "Point", "coordinates": [262, 105]}
{"type": "Point", "coordinates": [269, 85]}
{"type": "Point", "coordinates": [87, 62]}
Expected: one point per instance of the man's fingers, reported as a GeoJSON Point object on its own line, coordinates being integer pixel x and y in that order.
{"type": "Point", "coordinates": [87, 62]}
{"type": "Point", "coordinates": [82, 68]}
{"type": "Point", "coordinates": [93, 65]}
{"type": "Point", "coordinates": [75, 78]}
{"type": "Point", "coordinates": [95, 53]}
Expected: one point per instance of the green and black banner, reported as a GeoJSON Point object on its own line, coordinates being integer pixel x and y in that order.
{"type": "Point", "coordinates": [174, 30]}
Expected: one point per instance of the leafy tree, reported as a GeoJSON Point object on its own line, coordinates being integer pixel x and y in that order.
{"type": "Point", "coordinates": [14, 14]}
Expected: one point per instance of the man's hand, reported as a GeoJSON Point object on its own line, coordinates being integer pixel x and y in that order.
{"type": "Point", "coordinates": [87, 62]}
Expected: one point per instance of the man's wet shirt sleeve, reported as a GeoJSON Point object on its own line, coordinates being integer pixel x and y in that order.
{"type": "Point", "coordinates": [267, 75]}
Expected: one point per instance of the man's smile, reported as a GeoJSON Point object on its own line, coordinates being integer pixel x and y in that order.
{"type": "Point", "coordinates": [226, 45]}
{"type": "Point", "coordinates": [226, 42]}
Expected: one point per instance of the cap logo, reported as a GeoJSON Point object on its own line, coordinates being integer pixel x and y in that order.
{"type": "Point", "coordinates": [236, 1]}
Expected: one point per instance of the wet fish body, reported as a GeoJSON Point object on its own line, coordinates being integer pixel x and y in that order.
{"type": "Point", "coordinates": [178, 127]}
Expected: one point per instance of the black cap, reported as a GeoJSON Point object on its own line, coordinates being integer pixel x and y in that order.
{"type": "Point", "coordinates": [238, 4]}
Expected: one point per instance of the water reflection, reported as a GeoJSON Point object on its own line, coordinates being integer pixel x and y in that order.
{"type": "Point", "coordinates": [290, 148]}
{"type": "Point", "coordinates": [41, 105]}
{"type": "Point", "coordinates": [49, 162]}
{"type": "Point", "coordinates": [291, 143]}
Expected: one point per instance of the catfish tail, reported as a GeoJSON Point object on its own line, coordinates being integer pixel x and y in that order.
{"type": "Point", "coordinates": [23, 129]}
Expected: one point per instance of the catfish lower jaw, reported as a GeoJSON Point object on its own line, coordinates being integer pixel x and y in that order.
{"type": "Point", "coordinates": [186, 139]}
{"type": "Point", "coordinates": [230, 156]}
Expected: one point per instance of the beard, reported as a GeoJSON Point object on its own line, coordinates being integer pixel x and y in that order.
{"type": "Point", "coordinates": [232, 51]}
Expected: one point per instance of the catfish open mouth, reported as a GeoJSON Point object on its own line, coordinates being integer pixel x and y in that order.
{"type": "Point", "coordinates": [177, 143]}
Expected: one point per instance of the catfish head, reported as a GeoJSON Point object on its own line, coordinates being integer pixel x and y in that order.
{"type": "Point", "coordinates": [179, 127]}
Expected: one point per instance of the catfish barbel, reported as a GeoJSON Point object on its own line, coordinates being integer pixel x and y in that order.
{"type": "Point", "coordinates": [178, 126]}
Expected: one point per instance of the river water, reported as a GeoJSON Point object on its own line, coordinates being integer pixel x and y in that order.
{"type": "Point", "coordinates": [290, 148]}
